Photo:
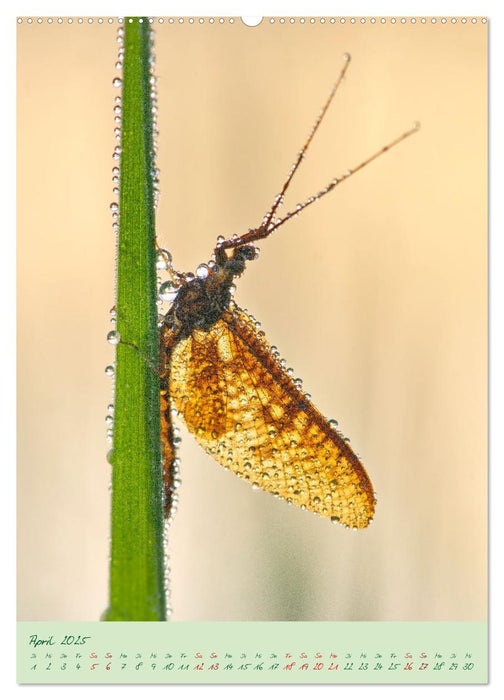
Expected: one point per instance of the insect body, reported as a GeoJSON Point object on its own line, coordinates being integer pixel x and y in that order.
{"type": "Point", "coordinates": [231, 389]}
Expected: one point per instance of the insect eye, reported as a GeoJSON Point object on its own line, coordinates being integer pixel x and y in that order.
{"type": "Point", "coordinates": [248, 252]}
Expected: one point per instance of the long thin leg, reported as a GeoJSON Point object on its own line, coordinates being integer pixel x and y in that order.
{"type": "Point", "coordinates": [262, 232]}
{"type": "Point", "coordinates": [280, 197]}
{"type": "Point", "coordinates": [337, 181]}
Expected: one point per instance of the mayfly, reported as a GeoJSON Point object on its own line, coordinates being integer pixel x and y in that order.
{"type": "Point", "coordinates": [220, 375]}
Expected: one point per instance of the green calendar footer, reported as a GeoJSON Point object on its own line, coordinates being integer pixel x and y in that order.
{"type": "Point", "coordinates": [252, 652]}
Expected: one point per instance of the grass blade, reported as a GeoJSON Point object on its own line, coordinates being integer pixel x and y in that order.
{"type": "Point", "coordinates": [136, 568]}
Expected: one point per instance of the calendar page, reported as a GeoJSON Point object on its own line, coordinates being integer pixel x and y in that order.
{"type": "Point", "coordinates": [275, 470]}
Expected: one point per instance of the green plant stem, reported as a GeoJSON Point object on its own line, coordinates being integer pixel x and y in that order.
{"type": "Point", "coordinates": [136, 567]}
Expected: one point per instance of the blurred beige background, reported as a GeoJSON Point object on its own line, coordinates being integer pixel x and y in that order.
{"type": "Point", "coordinates": [376, 296]}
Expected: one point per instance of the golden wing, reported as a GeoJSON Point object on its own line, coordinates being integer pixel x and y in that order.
{"type": "Point", "coordinates": [246, 411]}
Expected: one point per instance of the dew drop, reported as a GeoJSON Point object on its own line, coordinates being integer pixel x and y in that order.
{"type": "Point", "coordinates": [110, 370]}
{"type": "Point", "coordinates": [333, 423]}
{"type": "Point", "coordinates": [202, 271]}
{"type": "Point", "coordinates": [168, 291]}
{"type": "Point", "coordinates": [114, 337]}
{"type": "Point", "coordinates": [163, 259]}
{"type": "Point", "coordinates": [117, 82]}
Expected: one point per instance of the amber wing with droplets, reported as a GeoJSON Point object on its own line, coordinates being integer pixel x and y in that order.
{"type": "Point", "coordinates": [245, 410]}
